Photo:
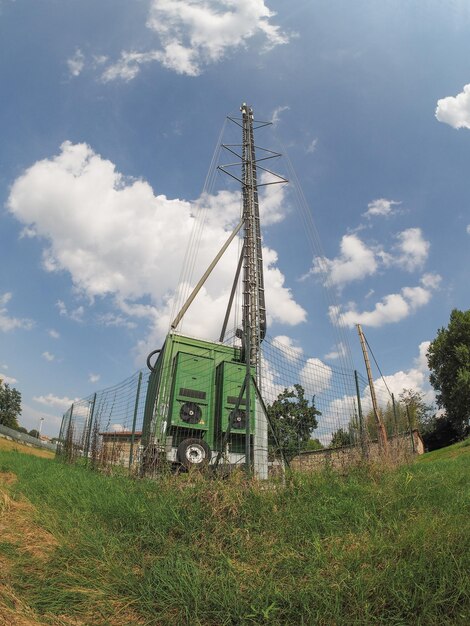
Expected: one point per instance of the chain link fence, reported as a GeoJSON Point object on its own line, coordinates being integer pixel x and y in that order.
{"type": "Point", "coordinates": [304, 414]}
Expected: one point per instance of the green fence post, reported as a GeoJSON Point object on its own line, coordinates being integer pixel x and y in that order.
{"type": "Point", "coordinates": [395, 414]}
{"type": "Point", "coordinates": [90, 426]}
{"type": "Point", "coordinates": [136, 407]}
{"type": "Point", "coordinates": [58, 450]}
{"type": "Point", "coordinates": [411, 431]}
{"type": "Point", "coordinates": [68, 444]}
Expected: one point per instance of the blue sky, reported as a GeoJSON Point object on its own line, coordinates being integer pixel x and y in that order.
{"type": "Point", "coordinates": [109, 115]}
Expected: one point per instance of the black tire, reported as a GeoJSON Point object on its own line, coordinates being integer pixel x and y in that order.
{"type": "Point", "coordinates": [193, 453]}
{"type": "Point", "coordinates": [150, 356]}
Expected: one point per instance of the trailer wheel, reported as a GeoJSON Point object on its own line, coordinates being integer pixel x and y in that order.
{"type": "Point", "coordinates": [193, 453]}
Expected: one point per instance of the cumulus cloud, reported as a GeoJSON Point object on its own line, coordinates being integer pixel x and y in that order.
{"type": "Point", "coordinates": [53, 333]}
{"type": "Point", "coordinates": [358, 260]}
{"type": "Point", "coordinates": [431, 281]}
{"type": "Point", "coordinates": [287, 345]}
{"type": "Point", "coordinates": [392, 308]}
{"type": "Point", "coordinates": [76, 63]}
{"type": "Point", "coordinates": [48, 356]}
{"type": "Point", "coordinates": [94, 378]}
{"type": "Point", "coordinates": [338, 352]}
{"type": "Point", "coordinates": [412, 249]}
{"type": "Point", "coordinates": [455, 110]}
{"type": "Point", "coordinates": [55, 401]}
{"type": "Point", "coordinates": [315, 376]}
{"type": "Point", "coordinates": [416, 377]}
{"type": "Point", "coordinates": [381, 207]}
{"type": "Point", "coordinates": [468, 229]}
{"type": "Point", "coordinates": [7, 380]}
{"type": "Point", "coordinates": [8, 323]}
{"type": "Point", "coordinates": [117, 238]}
{"type": "Point", "coordinates": [355, 262]}
{"type": "Point", "coordinates": [194, 34]}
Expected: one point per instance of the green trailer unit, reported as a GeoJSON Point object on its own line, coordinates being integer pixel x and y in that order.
{"type": "Point", "coordinates": [193, 395]}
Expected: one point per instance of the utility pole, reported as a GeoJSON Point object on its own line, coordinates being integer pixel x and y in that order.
{"type": "Point", "coordinates": [380, 425]}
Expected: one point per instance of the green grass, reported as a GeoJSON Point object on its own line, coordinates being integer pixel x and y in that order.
{"type": "Point", "coordinates": [376, 547]}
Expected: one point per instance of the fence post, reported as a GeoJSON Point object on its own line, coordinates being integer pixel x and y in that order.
{"type": "Point", "coordinates": [361, 418]}
{"type": "Point", "coordinates": [136, 407]}
{"type": "Point", "coordinates": [411, 431]}
{"type": "Point", "coordinates": [90, 426]}
{"type": "Point", "coordinates": [68, 444]}
{"type": "Point", "coordinates": [58, 451]}
{"type": "Point", "coordinates": [395, 414]}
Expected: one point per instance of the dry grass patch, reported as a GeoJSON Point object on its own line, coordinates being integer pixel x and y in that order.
{"type": "Point", "coordinates": [17, 525]}
{"type": "Point", "coordinates": [14, 446]}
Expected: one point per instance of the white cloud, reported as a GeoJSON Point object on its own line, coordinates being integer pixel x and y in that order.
{"type": "Point", "coordinates": [53, 333]}
{"type": "Point", "coordinates": [94, 378]}
{"type": "Point", "coordinates": [287, 346]}
{"type": "Point", "coordinates": [276, 116]}
{"type": "Point", "coordinates": [337, 353]}
{"type": "Point", "coordinates": [48, 356]}
{"type": "Point", "coordinates": [55, 401]}
{"type": "Point", "coordinates": [416, 378]}
{"type": "Point", "coordinates": [431, 281]}
{"type": "Point", "coordinates": [30, 419]}
{"type": "Point", "coordinates": [76, 63]}
{"type": "Point", "coordinates": [116, 237]}
{"type": "Point", "coordinates": [272, 200]}
{"type": "Point", "coordinates": [312, 146]}
{"type": "Point", "coordinates": [468, 229]}
{"type": "Point", "coordinates": [194, 34]}
{"type": "Point", "coordinates": [7, 380]}
{"type": "Point", "coordinates": [412, 248]}
{"type": "Point", "coordinates": [455, 111]}
{"type": "Point", "coordinates": [76, 314]}
{"type": "Point", "coordinates": [8, 323]}
{"type": "Point", "coordinates": [381, 206]}
{"type": "Point", "coordinates": [130, 63]}
{"type": "Point", "coordinates": [392, 308]}
{"type": "Point", "coordinates": [111, 319]}
{"type": "Point", "coordinates": [315, 376]}
{"type": "Point", "coordinates": [355, 262]}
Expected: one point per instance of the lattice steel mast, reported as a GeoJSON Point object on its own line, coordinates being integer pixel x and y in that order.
{"type": "Point", "coordinates": [254, 306]}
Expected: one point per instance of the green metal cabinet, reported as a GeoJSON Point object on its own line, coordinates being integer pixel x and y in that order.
{"type": "Point", "coordinates": [192, 394]}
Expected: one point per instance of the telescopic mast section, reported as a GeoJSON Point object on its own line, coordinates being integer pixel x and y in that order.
{"type": "Point", "coordinates": [254, 305]}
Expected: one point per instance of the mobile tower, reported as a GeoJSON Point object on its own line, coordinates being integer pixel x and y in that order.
{"type": "Point", "coordinates": [204, 401]}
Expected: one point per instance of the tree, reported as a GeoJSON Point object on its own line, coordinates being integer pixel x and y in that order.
{"type": "Point", "coordinates": [293, 419]}
{"type": "Point", "coordinates": [449, 362]}
{"type": "Point", "coordinates": [341, 438]}
{"type": "Point", "coordinates": [10, 406]}
{"type": "Point", "coordinates": [416, 408]}
{"type": "Point", "coordinates": [34, 433]}
{"type": "Point", "coordinates": [314, 444]}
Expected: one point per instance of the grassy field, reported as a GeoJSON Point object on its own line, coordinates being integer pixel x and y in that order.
{"type": "Point", "coordinates": [376, 547]}
{"type": "Point", "coordinates": [7, 445]}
